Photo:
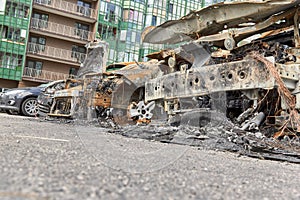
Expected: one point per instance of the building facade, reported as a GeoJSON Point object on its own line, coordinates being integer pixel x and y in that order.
{"type": "Point", "coordinates": [44, 40]}
{"type": "Point", "coordinates": [121, 23]}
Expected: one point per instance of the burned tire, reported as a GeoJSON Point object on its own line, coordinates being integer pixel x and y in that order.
{"type": "Point", "coordinates": [29, 107]}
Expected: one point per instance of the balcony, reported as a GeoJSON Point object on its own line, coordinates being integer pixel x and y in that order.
{"type": "Point", "coordinates": [8, 45]}
{"type": "Point", "coordinates": [57, 30]}
{"type": "Point", "coordinates": [67, 9]}
{"type": "Point", "coordinates": [55, 53]}
{"type": "Point", "coordinates": [42, 75]}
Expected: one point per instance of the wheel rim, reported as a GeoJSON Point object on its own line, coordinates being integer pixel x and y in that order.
{"type": "Point", "coordinates": [31, 107]}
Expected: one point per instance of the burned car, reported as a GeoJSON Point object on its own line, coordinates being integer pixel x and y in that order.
{"type": "Point", "coordinates": [44, 100]}
{"type": "Point", "coordinates": [245, 64]}
{"type": "Point", "coordinates": [24, 100]}
{"type": "Point", "coordinates": [107, 91]}
{"type": "Point", "coordinates": [109, 94]}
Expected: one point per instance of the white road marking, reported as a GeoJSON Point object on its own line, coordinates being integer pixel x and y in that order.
{"type": "Point", "coordinates": [41, 138]}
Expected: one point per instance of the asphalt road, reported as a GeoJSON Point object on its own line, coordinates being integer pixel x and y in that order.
{"type": "Point", "coordinates": [50, 160]}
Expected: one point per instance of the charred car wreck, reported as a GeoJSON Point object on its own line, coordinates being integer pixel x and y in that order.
{"type": "Point", "coordinates": [239, 58]}
{"type": "Point", "coordinates": [105, 91]}
{"type": "Point", "coordinates": [254, 81]}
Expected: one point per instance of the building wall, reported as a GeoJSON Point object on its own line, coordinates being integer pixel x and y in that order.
{"type": "Point", "coordinates": [25, 83]}
{"type": "Point", "coordinates": [62, 42]}
{"type": "Point", "coordinates": [56, 67]}
{"type": "Point", "coordinates": [5, 83]}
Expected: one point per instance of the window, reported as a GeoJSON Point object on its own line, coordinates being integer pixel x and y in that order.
{"type": "Point", "coordinates": [154, 18]}
{"type": "Point", "coordinates": [34, 65]}
{"type": "Point", "coordinates": [139, 1]}
{"type": "Point", "coordinates": [39, 20]}
{"type": "Point", "coordinates": [16, 10]}
{"type": "Point", "coordinates": [45, 2]}
{"type": "Point", "coordinates": [157, 2]}
{"type": "Point", "coordinates": [131, 14]}
{"type": "Point", "coordinates": [110, 12]}
{"type": "Point", "coordinates": [34, 68]}
{"type": "Point", "coordinates": [128, 35]}
{"type": "Point", "coordinates": [84, 8]}
{"type": "Point", "coordinates": [138, 37]}
{"type": "Point", "coordinates": [10, 61]}
{"type": "Point", "coordinates": [171, 8]}
{"type": "Point", "coordinates": [37, 40]}
{"type": "Point", "coordinates": [36, 44]}
{"type": "Point", "coordinates": [72, 72]}
{"type": "Point", "coordinates": [107, 32]}
{"type": "Point", "coordinates": [3, 30]}
{"type": "Point", "coordinates": [40, 16]}
{"type": "Point", "coordinates": [82, 30]}
{"type": "Point", "coordinates": [12, 34]}
{"type": "Point", "coordinates": [78, 52]}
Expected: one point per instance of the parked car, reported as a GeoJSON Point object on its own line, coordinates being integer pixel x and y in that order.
{"type": "Point", "coordinates": [24, 100]}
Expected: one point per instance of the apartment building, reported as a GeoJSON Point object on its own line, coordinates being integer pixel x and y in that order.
{"type": "Point", "coordinates": [43, 40]}
{"type": "Point", "coordinates": [121, 23]}
{"type": "Point", "coordinates": [14, 25]}
{"type": "Point", "coordinates": [58, 32]}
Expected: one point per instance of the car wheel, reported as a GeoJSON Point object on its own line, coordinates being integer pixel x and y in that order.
{"type": "Point", "coordinates": [29, 107]}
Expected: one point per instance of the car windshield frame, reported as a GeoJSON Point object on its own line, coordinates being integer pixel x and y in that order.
{"type": "Point", "coordinates": [46, 84]}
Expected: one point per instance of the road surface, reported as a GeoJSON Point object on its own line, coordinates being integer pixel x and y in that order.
{"type": "Point", "coordinates": [51, 160]}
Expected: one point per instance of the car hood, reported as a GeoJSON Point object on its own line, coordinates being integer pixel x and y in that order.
{"type": "Point", "coordinates": [19, 90]}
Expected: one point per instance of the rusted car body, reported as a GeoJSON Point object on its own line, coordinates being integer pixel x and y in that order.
{"type": "Point", "coordinates": [106, 94]}
{"type": "Point", "coordinates": [245, 63]}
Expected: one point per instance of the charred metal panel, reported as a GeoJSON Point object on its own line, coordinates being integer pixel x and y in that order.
{"type": "Point", "coordinates": [179, 53]}
{"type": "Point", "coordinates": [241, 75]}
{"type": "Point", "coordinates": [122, 93]}
{"type": "Point", "coordinates": [95, 61]}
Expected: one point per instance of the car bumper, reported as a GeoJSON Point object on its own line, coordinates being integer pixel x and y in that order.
{"type": "Point", "coordinates": [7, 107]}
{"type": "Point", "coordinates": [9, 103]}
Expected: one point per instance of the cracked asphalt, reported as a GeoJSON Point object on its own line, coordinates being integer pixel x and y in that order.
{"type": "Point", "coordinates": [47, 160]}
